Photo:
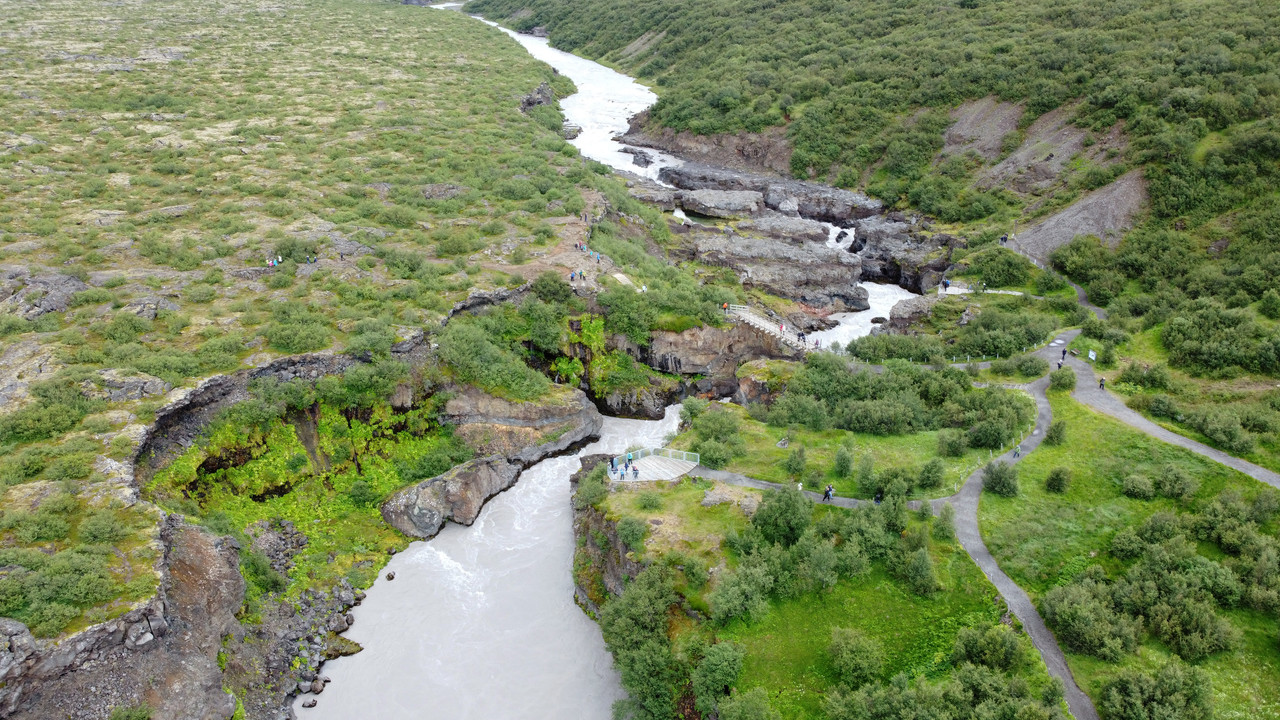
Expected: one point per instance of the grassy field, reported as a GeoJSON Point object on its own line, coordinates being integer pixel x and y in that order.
{"type": "Point", "coordinates": [1043, 540]}
{"type": "Point", "coordinates": [155, 157]}
{"type": "Point", "coordinates": [764, 458]}
{"type": "Point", "coordinates": [786, 651]}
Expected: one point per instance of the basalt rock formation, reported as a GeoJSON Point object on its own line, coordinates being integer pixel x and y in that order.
{"type": "Point", "coordinates": [516, 434]}
{"type": "Point", "coordinates": [790, 197]}
{"type": "Point", "coordinates": [812, 273]}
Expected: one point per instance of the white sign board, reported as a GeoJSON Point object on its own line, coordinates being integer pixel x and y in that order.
{"type": "Point", "coordinates": [1093, 355]}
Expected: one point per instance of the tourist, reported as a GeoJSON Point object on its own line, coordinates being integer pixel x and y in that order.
{"type": "Point", "coordinates": [1064, 353]}
{"type": "Point", "coordinates": [1102, 383]}
{"type": "Point", "coordinates": [635, 473]}
{"type": "Point", "coordinates": [726, 309]}
{"type": "Point", "coordinates": [826, 496]}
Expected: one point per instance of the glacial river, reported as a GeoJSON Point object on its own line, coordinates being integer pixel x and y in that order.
{"type": "Point", "coordinates": [480, 622]}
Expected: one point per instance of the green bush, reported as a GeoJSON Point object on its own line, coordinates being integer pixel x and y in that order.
{"type": "Point", "coordinates": [1063, 380]}
{"type": "Point", "coordinates": [649, 500]}
{"type": "Point", "coordinates": [1058, 480]}
{"type": "Point", "coordinates": [1138, 487]}
{"type": "Point", "coordinates": [856, 658]}
{"type": "Point", "coordinates": [752, 704]}
{"type": "Point", "coordinates": [1000, 478]}
{"type": "Point", "coordinates": [783, 516]}
{"type": "Point", "coordinates": [1057, 433]}
{"type": "Point", "coordinates": [257, 571]}
{"type": "Point", "coordinates": [715, 675]}
{"type": "Point", "coordinates": [952, 443]}
{"type": "Point", "coordinates": [102, 527]}
{"type": "Point", "coordinates": [842, 465]}
{"type": "Point", "coordinates": [1175, 692]}
{"type": "Point", "coordinates": [945, 524]}
{"type": "Point", "coordinates": [476, 359]}
{"type": "Point", "coordinates": [1174, 482]}
{"type": "Point", "coordinates": [632, 532]}
{"type": "Point", "coordinates": [931, 474]}
{"type": "Point", "coordinates": [296, 328]}
{"type": "Point", "coordinates": [795, 462]}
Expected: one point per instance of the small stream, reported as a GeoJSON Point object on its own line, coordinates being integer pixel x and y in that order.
{"type": "Point", "coordinates": [480, 622]}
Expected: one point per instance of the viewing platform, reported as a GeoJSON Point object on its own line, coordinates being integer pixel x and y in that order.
{"type": "Point", "coordinates": [655, 464]}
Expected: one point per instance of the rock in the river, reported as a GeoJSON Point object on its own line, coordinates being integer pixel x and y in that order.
{"type": "Point", "coordinates": [893, 252]}
{"type": "Point", "coordinates": [812, 273]}
{"type": "Point", "coordinates": [522, 432]}
{"type": "Point", "coordinates": [910, 310]}
{"type": "Point", "coordinates": [638, 157]}
{"type": "Point", "coordinates": [421, 510]}
{"type": "Point", "coordinates": [722, 203]}
{"type": "Point", "coordinates": [29, 296]}
{"type": "Point", "coordinates": [787, 228]}
{"type": "Point", "coordinates": [810, 200]}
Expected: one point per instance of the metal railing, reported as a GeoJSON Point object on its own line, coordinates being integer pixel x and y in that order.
{"type": "Point", "coordinates": [635, 455]}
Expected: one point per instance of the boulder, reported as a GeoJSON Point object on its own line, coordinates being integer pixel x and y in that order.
{"type": "Point", "coordinates": [522, 432]}
{"type": "Point", "coordinates": [420, 510]}
{"type": "Point", "coordinates": [639, 157]}
{"type": "Point", "coordinates": [905, 312]}
{"type": "Point", "coordinates": [722, 203]}
{"type": "Point", "coordinates": [442, 191]}
{"type": "Point", "coordinates": [893, 252]}
{"type": "Point", "coordinates": [149, 307]}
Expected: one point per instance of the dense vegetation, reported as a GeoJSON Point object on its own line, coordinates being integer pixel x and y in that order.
{"type": "Point", "coordinates": [791, 556]}
{"type": "Point", "coordinates": [846, 78]}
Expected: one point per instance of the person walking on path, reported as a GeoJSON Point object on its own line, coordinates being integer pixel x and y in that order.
{"type": "Point", "coordinates": [826, 495]}
{"type": "Point", "coordinates": [1064, 353]}
{"type": "Point", "coordinates": [635, 473]}
{"type": "Point", "coordinates": [1102, 383]}
{"type": "Point", "coordinates": [726, 309]}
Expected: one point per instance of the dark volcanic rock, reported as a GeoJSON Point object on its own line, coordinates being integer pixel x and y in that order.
{"type": "Point", "coordinates": [29, 296]}
{"type": "Point", "coordinates": [523, 433]}
{"type": "Point", "coordinates": [892, 252]}
{"type": "Point", "coordinates": [541, 95]}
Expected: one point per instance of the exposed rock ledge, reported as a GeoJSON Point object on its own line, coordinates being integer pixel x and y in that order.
{"type": "Point", "coordinates": [790, 197]}
{"type": "Point", "coordinates": [517, 434]}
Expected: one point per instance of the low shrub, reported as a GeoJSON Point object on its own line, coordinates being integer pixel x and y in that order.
{"type": "Point", "coordinates": [1058, 480]}
{"type": "Point", "coordinates": [1000, 478]}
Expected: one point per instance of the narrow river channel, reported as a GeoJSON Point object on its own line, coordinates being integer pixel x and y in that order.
{"type": "Point", "coordinates": [480, 622]}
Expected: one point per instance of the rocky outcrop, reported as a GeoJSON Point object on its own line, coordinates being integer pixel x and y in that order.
{"type": "Point", "coordinates": [649, 402]}
{"type": "Point", "coordinates": [893, 251]}
{"type": "Point", "coordinates": [911, 310]}
{"type": "Point", "coordinates": [522, 432]}
{"type": "Point", "coordinates": [792, 197]}
{"type": "Point", "coordinates": [811, 273]}
{"type": "Point", "coordinates": [30, 296]}
{"type": "Point", "coordinates": [189, 410]}
{"type": "Point", "coordinates": [115, 385]}
{"type": "Point", "coordinates": [162, 652]}
{"type": "Point", "coordinates": [421, 510]}
{"type": "Point", "coordinates": [768, 151]}
{"type": "Point", "coordinates": [513, 435]}
{"type": "Point", "coordinates": [479, 299]}
{"type": "Point", "coordinates": [721, 203]}
{"type": "Point", "coordinates": [785, 227]}
{"type": "Point", "coordinates": [710, 353]}
{"type": "Point", "coordinates": [541, 95]}
{"type": "Point", "coordinates": [602, 567]}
